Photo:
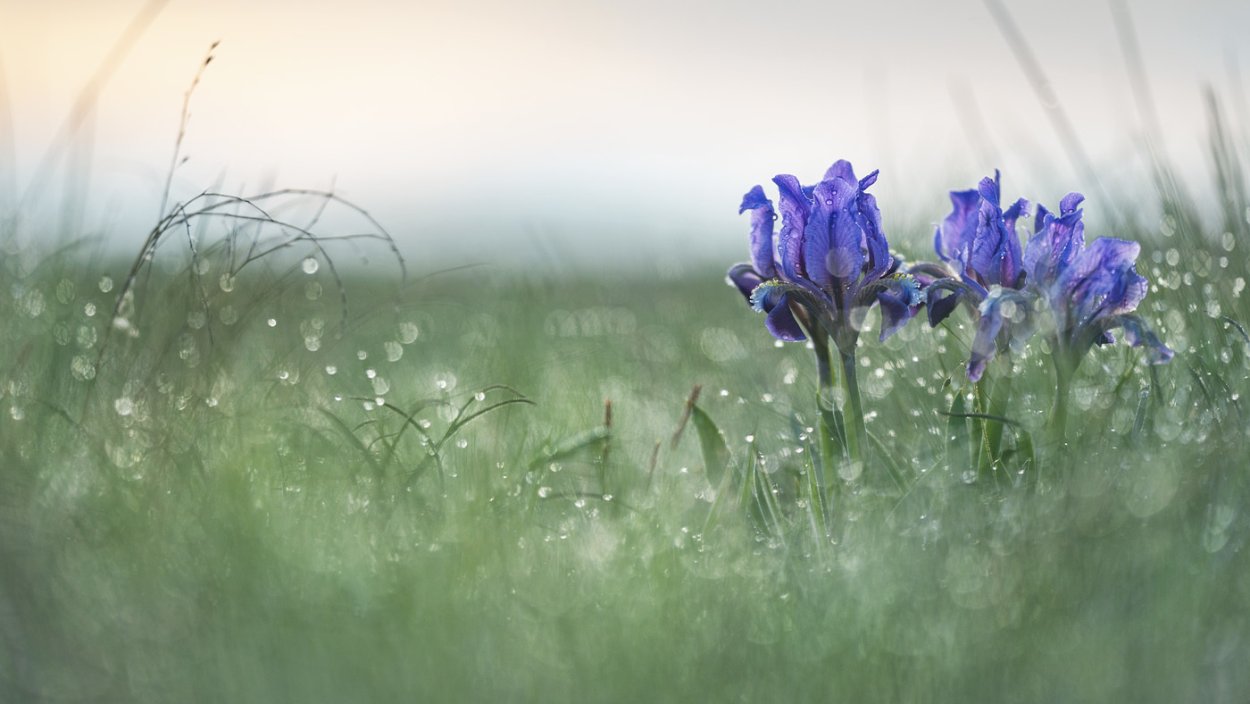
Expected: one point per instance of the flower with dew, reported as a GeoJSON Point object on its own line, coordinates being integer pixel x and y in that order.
{"type": "Point", "coordinates": [818, 276]}
{"type": "Point", "coordinates": [829, 263]}
{"type": "Point", "coordinates": [978, 240]}
{"type": "Point", "coordinates": [1088, 291]}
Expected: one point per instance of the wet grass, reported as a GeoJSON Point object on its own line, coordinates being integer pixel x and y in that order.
{"type": "Point", "coordinates": [248, 493]}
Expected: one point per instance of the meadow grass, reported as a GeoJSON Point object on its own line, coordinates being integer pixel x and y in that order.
{"type": "Point", "coordinates": [243, 468]}
{"type": "Point", "coordinates": [249, 492]}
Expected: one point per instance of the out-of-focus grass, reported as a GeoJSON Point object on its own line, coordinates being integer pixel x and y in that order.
{"type": "Point", "coordinates": [250, 496]}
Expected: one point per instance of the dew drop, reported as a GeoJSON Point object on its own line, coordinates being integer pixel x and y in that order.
{"type": "Point", "coordinates": [82, 368]}
{"type": "Point", "coordinates": [310, 265]}
{"type": "Point", "coordinates": [106, 284]}
{"type": "Point", "coordinates": [381, 386]}
{"type": "Point", "coordinates": [408, 333]}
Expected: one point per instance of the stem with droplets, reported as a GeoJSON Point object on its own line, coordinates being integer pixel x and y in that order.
{"type": "Point", "coordinates": [830, 428]}
{"type": "Point", "coordinates": [856, 435]}
{"type": "Point", "coordinates": [1058, 422]}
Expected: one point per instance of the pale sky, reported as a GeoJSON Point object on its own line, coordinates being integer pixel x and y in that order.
{"type": "Point", "coordinates": [501, 130]}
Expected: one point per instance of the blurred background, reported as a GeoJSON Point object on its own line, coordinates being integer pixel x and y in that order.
{"type": "Point", "coordinates": [595, 132]}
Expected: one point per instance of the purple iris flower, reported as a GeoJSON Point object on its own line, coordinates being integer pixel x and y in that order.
{"type": "Point", "coordinates": [828, 263]}
{"type": "Point", "coordinates": [1089, 291]}
{"type": "Point", "coordinates": [978, 240]}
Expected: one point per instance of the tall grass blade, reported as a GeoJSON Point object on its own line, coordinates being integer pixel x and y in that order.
{"type": "Point", "coordinates": [712, 445]}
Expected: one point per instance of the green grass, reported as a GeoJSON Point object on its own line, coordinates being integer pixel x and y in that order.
{"type": "Point", "coordinates": [214, 517]}
{"type": "Point", "coordinates": [280, 482]}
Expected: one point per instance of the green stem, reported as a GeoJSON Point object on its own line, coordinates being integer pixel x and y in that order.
{"type": "Point", "coordinates": [1058, 422]}
{"type": "Point", "coordinates": [980, 456]}
{"type": "Point", "coordinates": [830, 429]}
{"type": "Point", "coordinates": [856, 436]}
{"type": "Point", "coordinates": [992, 438]}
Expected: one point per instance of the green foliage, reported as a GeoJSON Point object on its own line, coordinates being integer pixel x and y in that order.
{"type": "Point", "coordinates": [252, 495]}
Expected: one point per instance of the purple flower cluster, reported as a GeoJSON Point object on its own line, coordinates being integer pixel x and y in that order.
{"type": "Point", "coordinates": [830, 262]}
{"type": "Point", "coordinates": [1089, 291]}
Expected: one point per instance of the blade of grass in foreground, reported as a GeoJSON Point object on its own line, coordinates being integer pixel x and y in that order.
{"type": "Point", "coordinates": [712, 445]}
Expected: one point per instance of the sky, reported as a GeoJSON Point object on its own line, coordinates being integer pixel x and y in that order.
{"type": "Point", "coordinates": [565, 131]}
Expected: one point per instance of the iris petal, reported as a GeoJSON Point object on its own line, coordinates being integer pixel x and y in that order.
{"type": "Point", "coordinates": [771, 298]}
{"type": "Point", "coordinates": [985, 343]}
{"type": "Point", "coordinates": [762, 219]}
{"type": "Point", "coordinates": [880, 263]}
{"type": "Point", "coordinates": [746, 278]}
{"type": "Point", "coordinates": [781, 323]}
{"type": "Point", "coordinates": [817, 238]}
{"type": "Point", "coordinates": [1056, 243]}
{"type": "Point", "coordinates": [941, 299]}
{"type": "Point", "coordinates": [899, 300]}
{"type": "Point", "coordinates": [796, 208]}
{"type": "Point", "coordinates": [1138, 334]}
{"type": "Point", "coordinates": [842, 169]}
{"type": "Point", "coordinates": [1070, 203]}
{"type": "Point", "coordinates": [995, 254]}
{"type": "Point", "coordinates": [955, 233]}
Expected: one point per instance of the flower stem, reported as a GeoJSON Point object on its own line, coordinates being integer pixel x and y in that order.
{"type": "Point", "coordinates": [856, 436]}
{"type": "Point", "coordinates": [992, 430]}
{"type": "Point", "coordinates": [1058, 421]}
{"type": "Point", "coordinates": [830, 428]}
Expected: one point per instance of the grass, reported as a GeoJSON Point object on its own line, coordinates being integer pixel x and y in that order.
{"type": "Point", "coordinates": [285, 477]}
{"type": "Point", "coordinates": [203, 512]}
